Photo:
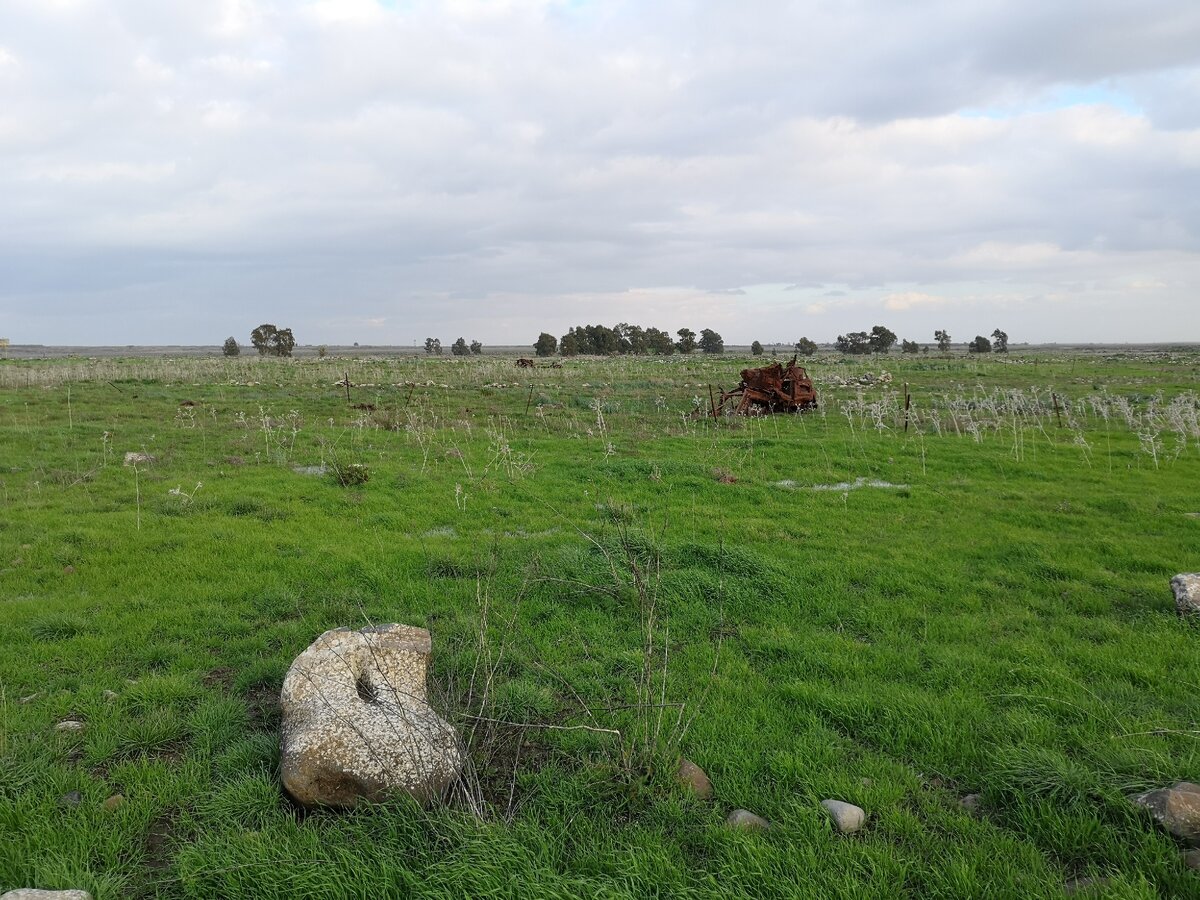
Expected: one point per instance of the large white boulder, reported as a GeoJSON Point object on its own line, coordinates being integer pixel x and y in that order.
{"type": "Point", "coordinates": [357, 724]}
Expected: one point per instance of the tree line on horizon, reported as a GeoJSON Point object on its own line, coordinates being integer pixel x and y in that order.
{"type": "Point", "coordinates": [623, 338]}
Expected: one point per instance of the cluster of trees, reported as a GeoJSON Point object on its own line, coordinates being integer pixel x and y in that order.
{"type": "Point", "coordinates": [433, 346]}
{"type": "Point", "coordinates": [600, 340]}
{"type": "Point", "coordinates": [998, 343]}
{"type": "Point", "coordinates": [881, 340]}
{"type": "Point", "coordinates": [878, 340]}
{"type": "Point", "coordinates": [266, 339]}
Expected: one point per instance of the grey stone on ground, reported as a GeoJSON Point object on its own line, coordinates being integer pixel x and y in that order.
{"type": "Point", "coordinates": [847, 817]}
{"type": "Point", "coordinates": [39, 894]}
{"type": "Point", "coordinates": [134, 458]}
{"type": "Point", "coordinates": [694, 779]}
{"type": "Point", "coordinates": [1187, 593]}
{"type": "Point", "coordinates": [356, 722]}
{"type": "Point", "coordinates": [971, 803]}
{"type": "Point", "coordinates": [744, 820]}
{"type": "Point", "coordinates": [116, 801]}
{"type": "Point", "coordinates": [70, 725]}
{"type": "Point", "coordinates": [1176, 809]}
{"type": "Point", "coordinates": [70, 798]}
{"type": "Point", "coordinates": [1191, 859]}
{"type": "Point", "coordinates": [110, 695]}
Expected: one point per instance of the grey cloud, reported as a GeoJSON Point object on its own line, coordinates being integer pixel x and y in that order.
{"type": "Point", "coordinates": [462, 165]}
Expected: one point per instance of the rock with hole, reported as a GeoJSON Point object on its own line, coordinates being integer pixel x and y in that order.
{"type": "Point", "coordinates": [357, 724]}
{"type": "Point", "coordinates": [1186, 588]}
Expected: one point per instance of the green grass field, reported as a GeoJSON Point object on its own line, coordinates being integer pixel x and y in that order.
{"type": "Point", "coordinates": [995, 620]}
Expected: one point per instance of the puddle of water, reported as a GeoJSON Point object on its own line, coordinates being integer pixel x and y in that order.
{"type": "Point", "coordinates": [843, 486]}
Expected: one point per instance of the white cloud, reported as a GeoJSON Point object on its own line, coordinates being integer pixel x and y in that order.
{"type": "Point", "coordinates": [905, 300]}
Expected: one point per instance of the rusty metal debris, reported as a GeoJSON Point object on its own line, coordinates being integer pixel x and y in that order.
{"type": "Point", "coordinates": [770, 389]}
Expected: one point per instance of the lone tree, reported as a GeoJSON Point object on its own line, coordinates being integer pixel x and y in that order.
{"type": "Point", "coordinates": [476, 348]}
{"type": "Point", "coordinates": [687, 340]}
{"type": "Point", "coordinates": [711, 342]}
{"type": "Point", "coordinates": [943, 339]}
{"type": "Point", "coordinates": [805, 347]}
{"type": "Point", "coordinates": [908, 346]}
{"type": "Point", "coordinates": [980, 345]}
{"type": "Point", "coordinates": [271, 341]}
{"type": "Point", "coordinates": [460, 348]}
{"type": "Point", "coordinates": [1000, 341]}
{"type": "Point", "coordinates": [547, 344]}
{"type": "Point", "coordinates": [756, 348]}
{"type": "Point", "coordinates": [231, 347]}
{"type": "Point", "coordinates": [433, 345]}
{"type": "Point", "coordinates": [881, 339]}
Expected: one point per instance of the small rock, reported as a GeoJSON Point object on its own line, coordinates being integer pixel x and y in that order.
{"type": "Point", "coordinates": [1085, 885]}
{"type": "Point", "coordinates": [694, 779]}
{"type": "Point", "coordinates": [30, 698]}
{"type": "Point", "coordinates": [1187, 593]}
{"type": "Point", "coordinates": [73, 725]}
{"type": "Point", "coordinates": [744, 820]}
{"type": "Point", "coordinates": [357, 724]}
{"type": "Point", "coordinates": [1191, 859]}
{"type": "Point", "coordinates": [39, 894]}
{"type": "Point", "coordinates": [115, 802]}
{"type": "Point", "coordinates": [1175, 808]}
{"type": "Point", "coordinates": [111, 695]}
{"type": "Point", "coordinates": [70, 798]}
{"type": "Point", "coordinates": [971, 803]}
{"type": "Point", "coordinates": [133, 458]}
{"type": "Point", "coordinates": [847, 817]}
{"type": "Point", "coordinates": [68, 570]}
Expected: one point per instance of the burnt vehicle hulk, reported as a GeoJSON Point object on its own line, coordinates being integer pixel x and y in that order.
{"type": "Point", "coordinates": [770, 389]}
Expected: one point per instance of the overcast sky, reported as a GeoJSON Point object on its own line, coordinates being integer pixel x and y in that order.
{"type": "Point", "coordinates": [383, 170]}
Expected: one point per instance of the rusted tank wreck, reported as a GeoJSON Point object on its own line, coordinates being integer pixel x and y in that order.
{"type": "Point", "coordinates": [770, 389]}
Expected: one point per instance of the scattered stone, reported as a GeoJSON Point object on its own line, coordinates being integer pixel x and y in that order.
{"type": "Point", "coordinates": [1176, 809]}
{"type": "Point", "coordinates": [1187, 593]}
{"type": "Point", "coordinates": [744, 820]}
{"type": "Point", "coordinates": [847, 817]}
{"type": "Point", "coordinates": [310, 470]}
{"type": "Point", "coordinates": [115, 802]}
{"type": "Point", "coordinates": [971, 804]}
{"type": "Point", "coordinates": [68, 570]}
{"type": "Point", "coordinates": [1191, 859]}
{"type": "Point", "coordinates": [72, 725]}
{"type": "Point", "coordinates": [39, 894]}
{"type": "Point", "coordinates": [694, 779]}
{"type": "Point", "coordinates": [1085, 885]}
{"type": "Point", "coordinates": [30, 698]}
{"type": "Point", "coordinates": [111, 695]}
{"type": "Point", "coordinates": [70, 798]}
{"type": "Point", "coordinates": [356, 722]}
{"type": "Point", "coordinates": [133, 458]}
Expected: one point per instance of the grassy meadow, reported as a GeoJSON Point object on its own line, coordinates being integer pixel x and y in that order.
{"type": "Point", "coordinates": [825, 605]}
